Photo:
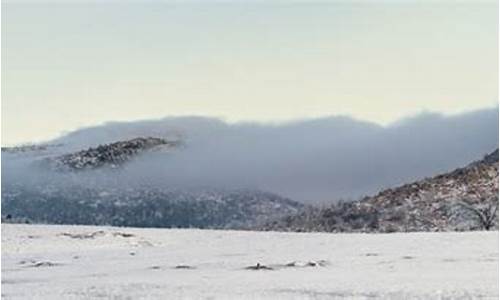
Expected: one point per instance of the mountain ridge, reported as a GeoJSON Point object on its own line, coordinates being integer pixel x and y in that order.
{"type": "Point", "coordinates": [94, 187]}
{"type": "Point", "coordinates": [110, 155]}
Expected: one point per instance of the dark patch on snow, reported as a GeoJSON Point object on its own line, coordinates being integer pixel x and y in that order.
{"type": "Point", "coordinates": [123, 234]}
{"type": "Point", "coordinates": [408, 257]}
{"type": "Point", "coordinates": [311, 263]}
{"type": "Point", "coordinates": [258, 266]}
{"type": "Point", "coordinates": [187, 267]}
{"type": "Point", "coordinates": [83, 236]}
{"type": "Point", "coordinates": [25, 261]}
{"type": "Point", "coordinates": [40, 264]}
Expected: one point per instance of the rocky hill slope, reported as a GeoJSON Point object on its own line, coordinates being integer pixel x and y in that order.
{"type": "Point", "coordinates": [464, 199]}
{"type": "Point", "coordinates": [50, 190]}
{"type": "Point", "coordinates": [145, 207]}
{"type": "Point", "coordinates": [110, 155]}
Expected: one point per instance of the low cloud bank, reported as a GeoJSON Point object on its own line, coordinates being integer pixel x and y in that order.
{"type": "Point", "coordinates": [312, 161]}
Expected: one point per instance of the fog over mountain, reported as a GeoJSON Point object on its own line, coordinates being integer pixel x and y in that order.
{"type": "Point", "coordinates": [313, 161]}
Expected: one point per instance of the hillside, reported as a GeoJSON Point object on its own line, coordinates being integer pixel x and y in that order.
{"type": "Point", "coordinates": [145, 207]}
{"type": "Point", "coordinates": [91, 187]}
{"type": "Point", "coordinates": [109, 185]}
{"type": "Point", "coordinates": [110, 155]}
{"type": "Point", "coordinates": [463, 199]}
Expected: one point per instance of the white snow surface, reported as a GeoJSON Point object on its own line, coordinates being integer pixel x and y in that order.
{"type": "Point", "coordinates": [51, 262]}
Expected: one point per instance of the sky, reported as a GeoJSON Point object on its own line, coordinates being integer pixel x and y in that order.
{"type": "Point", "coordinates": [71, 64]}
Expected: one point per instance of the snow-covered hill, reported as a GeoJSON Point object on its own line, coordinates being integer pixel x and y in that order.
{"type": "Point", "coordinates": [463, 199]}
{"type": "Point", "coordinates": [144, 206]}
{"type": "Point", "coordinates": [110, 155]}
{"type": "Point", "coordinates": [85, 262]}
{"type": "Point", "coordinates": [102, 186]}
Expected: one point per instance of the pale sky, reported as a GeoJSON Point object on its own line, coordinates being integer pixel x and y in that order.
{"type": "Point", "coordinates": [70, 64]}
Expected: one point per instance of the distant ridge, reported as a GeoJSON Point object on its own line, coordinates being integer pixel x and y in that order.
{"type": "Point", "coordinates": [144, 206]}
{"type": "Point", "coordinates": [61, 195]}
{"type": "Point", "coordinates": [110, 155]}
{"type": "Point", "coordinates": [29, 148]}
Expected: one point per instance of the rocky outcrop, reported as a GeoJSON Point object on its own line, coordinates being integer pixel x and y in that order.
{"type": "Point", "coordinates": [464, 199]}
{"type": "Point", "coordinates": [109, 155]}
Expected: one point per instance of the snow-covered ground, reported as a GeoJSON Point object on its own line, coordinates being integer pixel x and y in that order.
{"type": "Point", "coordinates": [85, 262]}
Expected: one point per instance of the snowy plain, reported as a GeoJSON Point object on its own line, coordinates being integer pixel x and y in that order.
{"type": "Point", "coordinates": [87, 262]}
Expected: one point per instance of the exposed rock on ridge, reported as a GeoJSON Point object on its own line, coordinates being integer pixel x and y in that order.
{"type": "Point", "coordinates": [110, 155]}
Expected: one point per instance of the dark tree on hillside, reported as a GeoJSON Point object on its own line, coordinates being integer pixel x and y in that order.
{"type": "Point", "coordinates": [486, 213]}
